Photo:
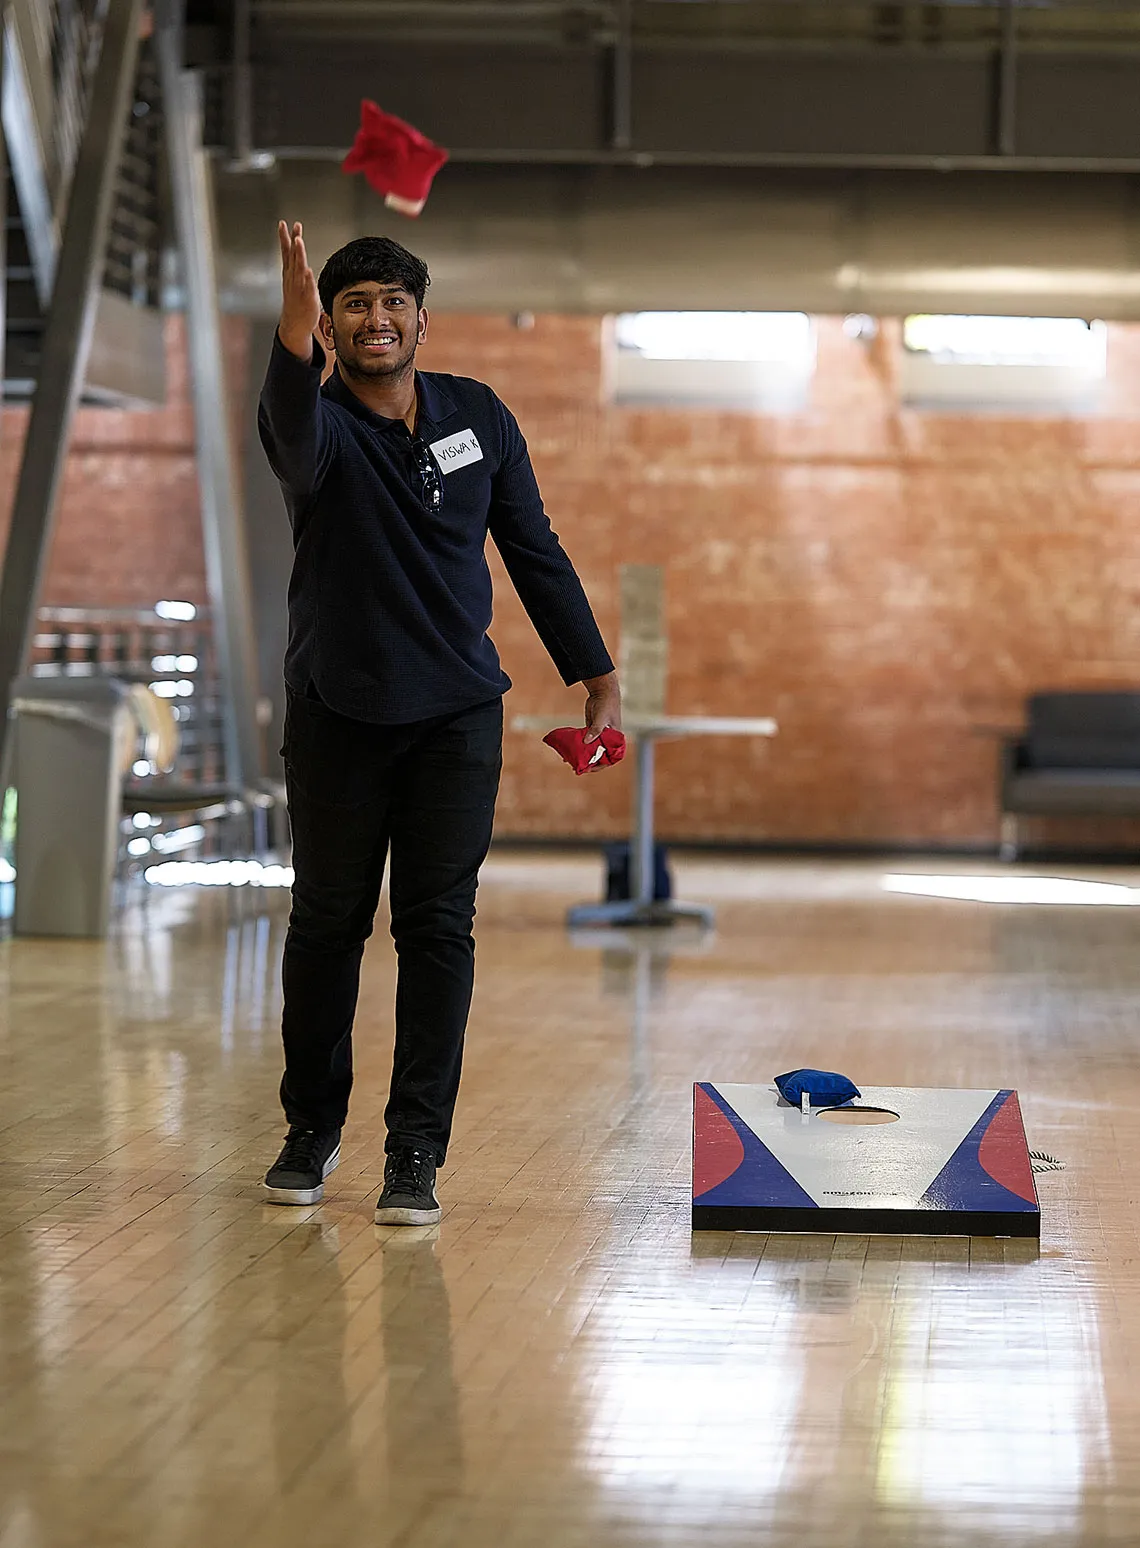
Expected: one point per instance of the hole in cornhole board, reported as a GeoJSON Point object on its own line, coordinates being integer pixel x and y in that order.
{"type": "Point", "coordinates": [859, 1115]}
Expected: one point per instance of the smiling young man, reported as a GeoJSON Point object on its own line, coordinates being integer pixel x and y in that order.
{"type": "Point", "coordinates": [393, 479]}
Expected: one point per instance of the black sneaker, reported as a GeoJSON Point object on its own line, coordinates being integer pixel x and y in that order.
{"type": "Point", "coordinates": [307, 1157]}
{"type": "Point", "coordinates": [409, 1189]}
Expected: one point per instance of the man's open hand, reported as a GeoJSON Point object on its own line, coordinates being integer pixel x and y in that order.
{"type": "Point", "coordinates": [300, 303]}
{"type": "Point", "coordinates": [603, 706]}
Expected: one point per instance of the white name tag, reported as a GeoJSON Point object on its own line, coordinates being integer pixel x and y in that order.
{"type": "Point", "coordinates": [457, 451]}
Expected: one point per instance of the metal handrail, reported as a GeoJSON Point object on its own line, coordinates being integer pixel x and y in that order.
{"type": "Point", "coordinates": [140, 645]}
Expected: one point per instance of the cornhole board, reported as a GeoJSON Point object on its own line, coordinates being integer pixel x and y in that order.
{"type": "Point", "coordinates": [955, 1164]}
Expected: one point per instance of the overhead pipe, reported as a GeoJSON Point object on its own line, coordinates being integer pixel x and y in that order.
{"type": "Point", "coordinates": [542, 239]}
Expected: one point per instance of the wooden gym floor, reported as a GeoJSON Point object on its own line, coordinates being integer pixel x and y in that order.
{"type": "Point", "coordinates": [561, 1364]}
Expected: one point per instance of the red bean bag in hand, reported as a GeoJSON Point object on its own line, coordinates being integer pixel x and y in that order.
{"type": "Point", "coordinates": [398, 161]}
{"type": "Point", "coordinates": [582, 756]}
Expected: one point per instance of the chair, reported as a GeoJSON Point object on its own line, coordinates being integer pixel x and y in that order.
{"type": "Point", "coordinates": [1079, 756]}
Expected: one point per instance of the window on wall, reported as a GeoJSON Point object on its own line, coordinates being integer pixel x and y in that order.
{"type": "Point", "coordinates": [759, 361]}
{"type": "Point", "coordinates": [1005, 364]}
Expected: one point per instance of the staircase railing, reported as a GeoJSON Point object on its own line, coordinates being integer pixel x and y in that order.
{"type": "Point", "coordinates": [169, 648]}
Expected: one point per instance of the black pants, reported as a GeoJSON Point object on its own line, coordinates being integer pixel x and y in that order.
{"type": "Point", "coordinates": [426, 792]}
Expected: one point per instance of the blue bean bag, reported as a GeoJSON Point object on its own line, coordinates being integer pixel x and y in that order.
{"type": "Point", "coordinates": [824, 1088]}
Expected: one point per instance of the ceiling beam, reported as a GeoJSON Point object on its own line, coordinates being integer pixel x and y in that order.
{"type": "Point", "coordinates": [761, 107]}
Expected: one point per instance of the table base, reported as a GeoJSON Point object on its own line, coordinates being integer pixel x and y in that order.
{"type": "Point", "coordinates": [629, 911]}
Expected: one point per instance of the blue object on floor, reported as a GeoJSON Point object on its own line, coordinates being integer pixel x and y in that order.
{"type": "Point", "coordinates": [824, 1087]}
{"type": "Point", "coordinates": [619, 881]}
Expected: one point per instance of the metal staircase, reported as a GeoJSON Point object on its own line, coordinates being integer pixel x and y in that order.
{"type": "Point", "coordinates": [48, 49]}
{"type": "Point", "coordinates": [93, 162]}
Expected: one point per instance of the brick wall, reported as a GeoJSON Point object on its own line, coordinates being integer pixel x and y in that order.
{"type": "Point", "coordinates": [887, 583]}
{"type": "Point", "coordinates": [128, 530]}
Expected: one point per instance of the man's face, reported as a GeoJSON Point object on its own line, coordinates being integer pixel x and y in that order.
{"type": "Point", "coordinates": [374, 329]}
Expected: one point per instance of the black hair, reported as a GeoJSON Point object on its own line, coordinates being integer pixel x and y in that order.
{"type": "Point", "coordinates": [372, 258]}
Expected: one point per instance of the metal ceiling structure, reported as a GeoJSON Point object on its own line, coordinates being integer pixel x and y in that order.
{"type": "Point", "coordinates": [1010, 83]}
{"type": "Point", "coordinates": [607, 153]}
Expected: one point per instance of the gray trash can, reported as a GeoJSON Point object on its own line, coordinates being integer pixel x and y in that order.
{"type": "Point", "coordinates": [73, 739]}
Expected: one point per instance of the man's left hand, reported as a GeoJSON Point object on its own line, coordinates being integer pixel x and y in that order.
{"type": "Point", "coordinates": [603, 705]}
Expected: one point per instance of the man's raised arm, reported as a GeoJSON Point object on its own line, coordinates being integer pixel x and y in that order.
{"type": "Point", "coordinates": [295, 432]}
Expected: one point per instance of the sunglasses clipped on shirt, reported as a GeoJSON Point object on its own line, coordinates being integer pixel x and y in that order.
{"type": "Point", "coordinates": [430, 481]}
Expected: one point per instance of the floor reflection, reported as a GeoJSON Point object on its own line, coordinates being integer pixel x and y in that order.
{"type": "Point", "coordinates": [634, 968]}
{"type": "Point", "coordinates": [698, 1393]}
{"type": "Point", "coordinates": [303, 1300]}
{"type": "Point", "coordinates": [993, 1405]}
{"type": "Point", "coordinates": [962, 1397]}
{"type": "Point", "coordinates": [422, 1399]}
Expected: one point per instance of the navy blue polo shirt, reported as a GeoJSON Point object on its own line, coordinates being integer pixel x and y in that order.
{"type": "Point", "coordinates": [390, 600]}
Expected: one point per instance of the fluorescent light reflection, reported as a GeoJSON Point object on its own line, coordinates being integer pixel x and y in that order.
{"type": "Point", "coordinates": [718, 1425]}
{"type": "Point", "coordinates": [218, 873]}
{"type": "Point", "coordinates": [1017, 889]}
{"type": "Point", "coordinates": [179, 838]}
{"type": "Point", "coordinates": [1013, 280]}
{"type": "Point", "coordinates": [993, 1408]}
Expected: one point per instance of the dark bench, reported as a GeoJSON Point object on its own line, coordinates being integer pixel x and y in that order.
{"type": "Point", "coordinates": [1079, 756]}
